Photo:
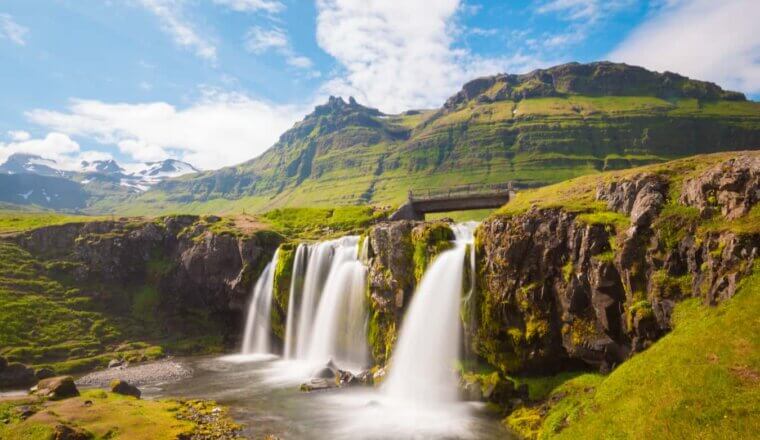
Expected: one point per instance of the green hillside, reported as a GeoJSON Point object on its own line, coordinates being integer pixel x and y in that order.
{"type": "Point", "coordinates": [535, 129]}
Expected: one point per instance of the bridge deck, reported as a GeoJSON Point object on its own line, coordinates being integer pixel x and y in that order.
{"type": "Point", "coordinates": [461, 198]}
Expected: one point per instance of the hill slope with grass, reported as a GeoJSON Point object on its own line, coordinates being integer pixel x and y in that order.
{"type": "Point", "coordinates": [540, 128]}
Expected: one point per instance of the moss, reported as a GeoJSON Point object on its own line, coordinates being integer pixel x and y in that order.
{"type": "Point", "coordinates": [675, 223]}
{"type": "Point", "coordinates": [567, 270]}
{"type": "Point", "coordinates": [381, 334]}
{"type": "Point", "coordinates": [668, 286]}
{"type": "Point", "coordinates": [429, 240]}
{"type": "Point", "coordinates": [283, 273]}
{"type": "Point", "coordinates": [638, 311]}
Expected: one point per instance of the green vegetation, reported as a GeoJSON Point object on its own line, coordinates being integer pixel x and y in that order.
{"type": "Point", "coordinates": [702, 380]}
{"type": "Point", "coordinates": [320, 222]}
{"type": "Point", "coordinates": [15, 221]}
{"type": "Point", "coordinates": [429, 240]}
{"type": "Point", "coordinates": [48, 320]}
{"type": "Point", "coordinates": [110, 415]}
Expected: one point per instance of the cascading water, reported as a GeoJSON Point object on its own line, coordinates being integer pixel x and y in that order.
{"type": "Point", "coordinates": [422, 368]}
{"type": "Point", "coordinates": [296, 288]}
{"type": "Point", "coordinates": [256, 339]}
{"type": "Point", "coordinates": [340, 325]}
{"type": "Point", "coordinates": [318, 268]}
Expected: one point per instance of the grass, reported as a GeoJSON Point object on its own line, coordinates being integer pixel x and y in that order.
{"type": "Point", "coordinates": [702, 380]}
{"type": "Point", "coordinates": [14, 221]}
{"type": "Point", "coordinates": [108, 416]}
{"type": "Point", "coordinates": [47, 320]}
{"type": "Point", "coordinates": [318, 222]}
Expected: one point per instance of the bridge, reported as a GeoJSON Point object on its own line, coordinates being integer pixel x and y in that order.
{"type": "Point", "coordinates": [458, 198]}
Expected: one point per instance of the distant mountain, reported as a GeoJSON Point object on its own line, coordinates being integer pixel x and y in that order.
{"type": "Point", "coordinates": [33, 180]}
{"type": "Point", "coordinates": [533, 129]}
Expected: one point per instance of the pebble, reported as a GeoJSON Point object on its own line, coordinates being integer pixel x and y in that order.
{"type": "Point", "coordinates": [140, 375]}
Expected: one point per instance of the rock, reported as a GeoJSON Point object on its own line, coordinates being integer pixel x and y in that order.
{"type": "Point", "coordinates": [329, 371]}
{"type": "Point", "coordinates": [366, 378]}
{"type": "Point", "coordinates": [60, 387]}
{"type": "Point", "coordinates": [16, 375]}
{"type": "Point", "coordinates": [732, 186]}
{"type": "Point", "coordinates": [115, 363]}
{"type": "Point", "coordinates": [25, 411]}
{"type": "Point", "coordinates": [44, 373]}
{"type": "Point", "coordinates": [125, 388]}
{"type": "Point", "coordinates": [64, 432]}
{"type": "Point", "coordinates": [378, 376]}
{"type": "Point", "coordinates": [641, 197]}
{"type": "Point", "coordinates": [3, 364]}
{"type": "Point", "coordinates": [318, 385]}
{"type": "Point", "coordinates": [347, 379]}
{"type": "Point", "coordinates": [471, 391]}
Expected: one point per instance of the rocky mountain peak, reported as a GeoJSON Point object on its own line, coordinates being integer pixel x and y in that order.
{"type": "Point", "coordinates": [602, 78]}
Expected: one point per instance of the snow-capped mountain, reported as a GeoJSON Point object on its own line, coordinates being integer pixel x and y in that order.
{"type": "Point", "coordinates": [136, 177]}
{"type": "Point", "coordinates": [27, 179]}
{"type": "Point", "coordinates": [22, 163]}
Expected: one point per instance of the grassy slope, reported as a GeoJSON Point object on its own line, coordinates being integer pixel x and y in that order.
{"type": "Point", "coordinates": [109, 416]}
{"type": "Point", "coordinates": [702, 380]}
{"type": "Point", "coordinates": [534, 141]}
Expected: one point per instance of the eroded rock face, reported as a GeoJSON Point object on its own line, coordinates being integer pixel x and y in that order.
{"type": "Point", "coordinates": [555, 290]}
{"type": "Point", "coordinates": [190, 265]}
{"type": "Point", "coordinates": [732, 187]}
{"type": "Point", "coordinates": [640, 197]}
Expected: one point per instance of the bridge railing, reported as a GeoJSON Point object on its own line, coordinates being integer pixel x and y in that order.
{"type": "Point", "coordinates": [462, 190]}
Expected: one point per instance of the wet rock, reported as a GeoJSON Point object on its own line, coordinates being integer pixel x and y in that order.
{"type": "Point", "coordinates": [64, 432]}
{"type": "Point", "coordinates": [347, 379]}
{"type": "Point", "coordinates": [366, 378]}
{"type": "Point", "coordinates": [329, 371]}
{"type": "Point", "coordinates": [116, 363]}
{"type": "Point", "coordinates": [60, 387]}
{"type": "Point", "coordinates": [44, 373]}
{"type": "Point", "coordinates": [318, 385]}
{"type": "Point", "coordinates": [378, 376]}
{"type": "Point", "coordinates": [16, 375]}
{"type": "Point", "coordinates": [732, 187]}
{"type": "Point", "coordinates": [125, 388]}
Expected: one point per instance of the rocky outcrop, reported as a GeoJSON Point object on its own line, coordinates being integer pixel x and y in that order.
{"type": "Point", "coordinates": [56, 388]}
{"type": "Point", "coordinates": [732, 187]}
{"type": "Point", "coordinates": [14, 375]}
{"type": "Point", "coordinates": [558, 288]}
{"type": "Point", "coordinates": [194, 263]}
{"type": "Point", "coordinates": [125, 388]}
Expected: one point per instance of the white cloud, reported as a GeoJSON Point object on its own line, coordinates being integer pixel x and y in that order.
{"type": "Point", "coordinates": [396, 63]}
{"type": "Point", "coordinates": [221, 129]}
{"type": "Point", "coordinates": [259, 40]}
{"type": "Point", "coordinates": [271, 6]}
{"type": "Point", "coordinates": [704, 39]}
{"type": "Point", "coordinates": [56, 146]}
{"type": "Point", "coordinates": [12, 31]}
{"type": "Point", "coordinates": [169, 12]}
{"type": "Point", "coordinates": [19, 135]}
{"type": "Point", "coordinates": [583, 15]}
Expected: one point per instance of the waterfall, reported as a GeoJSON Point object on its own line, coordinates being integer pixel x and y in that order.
{"type": "Point", "coordinates": [340, 324]}
{"type": "Point", "coordinates": [327, 317]}
{"type": "Point", "coordinates": [318, 267]}
{"type": "Point", "coordinates": [422, 368]}
{"type": "Point", "coordinates": [296, 287]}
{"type": "Point", "coordinates": [256, 338]}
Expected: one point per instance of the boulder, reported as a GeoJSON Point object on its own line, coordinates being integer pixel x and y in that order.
{"type": "Point", "coordinates": [64, 432]}
{"type": "Point", "coordinates": [125, 388]}
{"type": "Point", "coordinates": [732, 187]}
{"type": "Point", "coordinates": [44, 373]}
{"type": "Point", "coordinates": [115, 363]}
{"type": "Point", "coordinates": [59, 387]}
{"type": "Point", "coordinates": [16, 375]}
{"type": "Point", "coordinates": [641, 197]}
{"type": "Point", "coordinates": [329, 371]}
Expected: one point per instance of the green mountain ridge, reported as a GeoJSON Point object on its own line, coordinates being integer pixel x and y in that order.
{"type": "Point", "coordinates": [533, 129]}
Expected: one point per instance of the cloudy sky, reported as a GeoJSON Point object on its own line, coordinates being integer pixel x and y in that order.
{"type": "Point", "coordinates": [215, 82]}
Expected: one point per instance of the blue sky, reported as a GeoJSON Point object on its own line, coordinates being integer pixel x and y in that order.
{"type": "Point", "coordinates": [215, 82]}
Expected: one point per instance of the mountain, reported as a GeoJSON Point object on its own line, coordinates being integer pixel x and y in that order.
{"type": "Point", "coordinates": [33, 180]}
{"type": "Point", "coordinates": [534, 129]}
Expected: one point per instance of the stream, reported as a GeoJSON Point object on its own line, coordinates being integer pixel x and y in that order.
{"type": "Point", "coordinates": [264, 396]}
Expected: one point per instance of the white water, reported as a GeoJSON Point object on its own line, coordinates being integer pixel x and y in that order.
{"type": "Point", "coordinates": [256, 339]}
{"type": "Point", "coordinates": [340, 325]}
{"type": "Point", "coordinates": [296, 288]}
{"type": "Point", "coordinates": [318, 267]}
{"type": "Point", "coordinates": [422, 368]}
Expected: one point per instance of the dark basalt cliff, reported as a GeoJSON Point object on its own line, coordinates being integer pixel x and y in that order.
{"type": "Point", "coordinates": [192, 263]}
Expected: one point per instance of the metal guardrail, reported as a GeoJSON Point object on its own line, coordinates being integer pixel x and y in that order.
{"type": "Point", "coordinates": [458, 191]}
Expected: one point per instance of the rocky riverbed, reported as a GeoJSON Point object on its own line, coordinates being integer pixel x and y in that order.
{"type": "Point", "coordinates": [151, 374]}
